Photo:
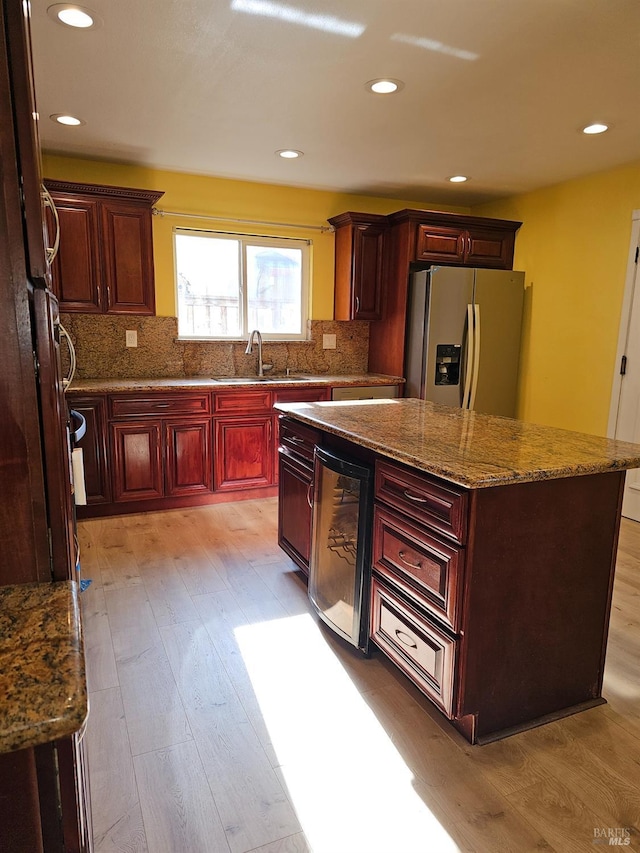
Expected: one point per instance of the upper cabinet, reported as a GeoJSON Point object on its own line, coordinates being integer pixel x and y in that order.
{"type": "Point", "coordinates": [464, 240]}
{"type": "Point", "coordinates": [104, 263]}
{"type": "Point", "coordinates": [358, 265]}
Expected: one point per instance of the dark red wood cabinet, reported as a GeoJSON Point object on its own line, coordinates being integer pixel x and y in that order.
{"type": "Point", "coordinates": [105, 259]}
{"type": "Point", "coordinates": [94, 447]}
{"type": "Point", "coordinates": [359, 242]}
{"type": "Point", "coordinates": [295, 492]}
{"type": "Point", "coordinates": [243, 452]}
{"type": "Point", "coordinates": [160, 445]}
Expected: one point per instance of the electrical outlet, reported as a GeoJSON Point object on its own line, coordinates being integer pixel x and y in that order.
{"type": "Point", "coordinates": [131, 338]}
{"type": "Point", "coordinates": [328, 342]}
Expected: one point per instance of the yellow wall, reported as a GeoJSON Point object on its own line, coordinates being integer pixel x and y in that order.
{"type": "Point", "coordinates": [573, 246]}
{"type": "Point", "coordinates": [190, 193]}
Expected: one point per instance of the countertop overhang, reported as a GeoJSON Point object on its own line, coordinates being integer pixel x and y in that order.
{"type": "Point", "coordinates": [225, 383]}
{"type": "Point", "coordinates": [464, 447]}
{"type": "Point", "coordinates": [42, 669]}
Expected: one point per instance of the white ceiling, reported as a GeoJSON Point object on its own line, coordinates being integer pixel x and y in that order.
{"type": "Point", "coordinates": [494, 89]}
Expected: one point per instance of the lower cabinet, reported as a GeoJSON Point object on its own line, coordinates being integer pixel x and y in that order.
{"type": "Point", "coordinates": [137, 463]}
{"type": "Point", "coordinates": [243, 454]}
{"type": "Point", "coordinates": [158, 449]}
{"type": "Point", "coordinates": [294, 509]}
{"type": "Point", "coordinates": [187, 458]}
{"type": "Point", "coordinates": [94, 447]}
{"type": "Point", "coordinates": [154, 459]}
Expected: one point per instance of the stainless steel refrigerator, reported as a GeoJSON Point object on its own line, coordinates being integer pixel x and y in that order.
{"type": "Point", "coordinates": [463, 338]}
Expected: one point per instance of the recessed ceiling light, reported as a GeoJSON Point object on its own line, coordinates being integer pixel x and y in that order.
{"type": "Point", "coordinates": [73, 16]}
{"type": "Point", "coordinates": [458, 179]}
{"type": "Point", "coordinates": [595, 128]}
{"type": "Point", "coordinates": [384, 86]}
{"type": "Point", "coordinates": [289, 153]}
{"type": "Point", "coordinates": [64, 118]}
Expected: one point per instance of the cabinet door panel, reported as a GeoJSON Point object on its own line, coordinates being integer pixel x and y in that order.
{"type": "Point", "coordinates": [294, 510]}
{"type": "Point", "coordinates": [188, 461]}
{"type": "Point", "coordinates": [128, 258]}
{"type": "Point", "coordinates": [243, 452]}
{"type": "Point", "coordinates": [94, 448]}
{"type": "Point", "coordinates": [440, 243]}
{"type": "Point", "coordinates": [489, 248]}
{"type": "Point", "coordinates": [75, 272]}
{"type": "Point", "coordinates": [137, 461]}
{"type": "Point", "coordinates": [367, 271]}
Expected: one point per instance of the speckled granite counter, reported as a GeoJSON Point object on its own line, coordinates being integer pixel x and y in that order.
{"type": "Point", "coordinates": [42, 676]}
{"type": "Point", "coordinates": [192, 383]}
{"type": "Point", "coordinates": [466, 448]}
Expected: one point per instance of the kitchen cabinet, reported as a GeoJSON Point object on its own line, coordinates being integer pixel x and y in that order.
{"type": "Point", "coordinates": [243, 443]}
{"type": "Point", "coordinates": [160, 446]}
{"type": "Point", "coordinates": [137, 463]}
{"type": "Point", "coordinates": [359, 241]}
{"type": "Point", "coordinates": [104, 263]}
{"type": "Point", "coordinates": [94, 446]}
{"type": "Point", "coordinates": [295, 503]}
{"type": "Point", "coordinates": [470, 245]}
{"type": "Point", "coordinates": [425, 237]}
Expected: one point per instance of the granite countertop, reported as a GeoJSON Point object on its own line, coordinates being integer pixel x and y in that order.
{"type": "Point", "coordinates": [194, 383]}
{"type": "Point", "coordinates": [42, 677]}
{"type": "Point", "coordinates": [463, 447]}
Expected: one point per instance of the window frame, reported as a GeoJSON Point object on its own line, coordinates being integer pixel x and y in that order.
{"type": "Point", "coordinates": [244, 239]}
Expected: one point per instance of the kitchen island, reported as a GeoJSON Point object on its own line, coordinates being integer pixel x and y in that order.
{"type": "Point", "coordinates": [492, 555]}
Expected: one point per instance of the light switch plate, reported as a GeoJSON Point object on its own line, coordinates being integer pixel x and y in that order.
{"type": "Point", "coordinates": [131, 338]}
{"type": "Point", "coordinates": [328, 342]}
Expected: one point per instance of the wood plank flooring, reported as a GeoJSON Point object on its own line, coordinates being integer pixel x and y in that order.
{"type": "Point", "coordinates": [225, 719]}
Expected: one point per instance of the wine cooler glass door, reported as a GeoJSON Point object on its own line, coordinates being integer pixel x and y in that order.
{"type": "Point", "coordinates": [338, 575]}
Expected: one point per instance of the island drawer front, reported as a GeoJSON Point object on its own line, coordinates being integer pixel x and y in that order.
{"type": "Point", "coordinates": [298, 439]}
{"type": "Point", "coordinates": [423, 499]}
{"type": "Point", "coordinates": [126, 406]}
{"type": "Point", "coordinates": [419, 563]}
{"type": "Point", "coordinates": [232, 402]}
{"type": "Point", "coordinates": [422, 651]}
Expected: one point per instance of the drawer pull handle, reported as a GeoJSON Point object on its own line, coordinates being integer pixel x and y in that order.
{"type": "Point", "coordinates": [415, 498]}
{"type": "Point", "coordinates": [405, 639]}
{"type": "Point", "coordinates": [295, 439]}
{"type": "Point", "coordinates": [401, 554]}
{"type": "Point", "coordinates": [309, 498]}
{"type": "Point", "coordinates": [162, 405]}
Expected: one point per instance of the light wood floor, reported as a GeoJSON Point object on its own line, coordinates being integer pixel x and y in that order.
{"type": "Point", "coordinates": [224, 719]}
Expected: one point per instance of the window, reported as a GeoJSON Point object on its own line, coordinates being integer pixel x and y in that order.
{"type": "Point", "coordinates": [228, 285]}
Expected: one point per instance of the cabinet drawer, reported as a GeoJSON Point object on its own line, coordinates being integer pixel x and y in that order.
{"type": "Point", "coordinates": [422, 651]}
{"type": "Point", "coordinates": [297, 439]}
{"type": "Point", "coordinates": [234, 402]}
{"type": "Point", "coordinates": [418, 563]}
{"type": "Point", "coordinates": [423, 499]}
{"type": "Point", "coordinates": [123, 406]}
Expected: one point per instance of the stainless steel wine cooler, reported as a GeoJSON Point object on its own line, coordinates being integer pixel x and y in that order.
{"type": "Point", "coordinates": [339, 573]}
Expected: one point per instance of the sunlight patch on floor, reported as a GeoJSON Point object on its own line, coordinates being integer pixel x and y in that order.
{"type": "Point", "coordinates": [350, 787]}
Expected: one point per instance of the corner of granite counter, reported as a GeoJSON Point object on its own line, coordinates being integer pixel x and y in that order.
{"type": "Point", "coordinates": [42, 665]}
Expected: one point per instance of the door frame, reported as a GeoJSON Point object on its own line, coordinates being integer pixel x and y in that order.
{"type": "Point", "coordinates": [625, 318]}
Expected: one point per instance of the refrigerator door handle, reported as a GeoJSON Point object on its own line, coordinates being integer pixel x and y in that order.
{"type": "Point", "coordinates": [476, 356]}
{"type": "Point", "coordinates": [468, 370]}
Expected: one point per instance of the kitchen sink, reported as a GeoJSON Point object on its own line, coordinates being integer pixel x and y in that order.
{"type": "Point", "coordinates": [249, 380]}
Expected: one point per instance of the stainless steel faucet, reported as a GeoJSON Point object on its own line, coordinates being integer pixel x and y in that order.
{"type": "Point", "coordinates": [261, 367]}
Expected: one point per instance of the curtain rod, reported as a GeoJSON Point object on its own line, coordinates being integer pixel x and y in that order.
{"type": "Point", "coordinates": [322, 228]}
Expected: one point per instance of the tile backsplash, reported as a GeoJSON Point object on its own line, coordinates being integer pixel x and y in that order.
{"type": "Point", "coordinates": [102, 354]}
